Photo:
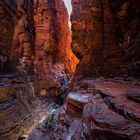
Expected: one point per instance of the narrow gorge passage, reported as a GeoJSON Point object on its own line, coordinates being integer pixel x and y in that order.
{"type": "Point", "coordinates": [70, 70]}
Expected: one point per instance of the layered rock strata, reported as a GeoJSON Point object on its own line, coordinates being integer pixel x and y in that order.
{"type": "Point", "coordinates": [52, 36]}
{"type": "Point", "coordinates": [35, 35]}
{"type": "Point", "coordinates": [20, 107]}
{"type": "Point", "coordinates": [33, 62]}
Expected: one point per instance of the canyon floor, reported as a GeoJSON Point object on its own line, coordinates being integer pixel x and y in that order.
{"type": "Point", "coordinates": [95, 108]}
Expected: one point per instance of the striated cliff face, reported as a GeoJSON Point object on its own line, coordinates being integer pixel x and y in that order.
{"type": "Point", "coordinates": [52, 41]}
{"type": "Point", "coordinates": [18, 51]}
{"type": "Point", "coordinates": [34, 64]}
{"type": "Point", "coordinates": [8, 17]}
{"type": "Point", "coordinates": [105, 37]}
{"type": "Point", "coordinates": [35, 35]}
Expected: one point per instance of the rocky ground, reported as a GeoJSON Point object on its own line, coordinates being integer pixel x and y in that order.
{"type": "Point", "coordinates": [101, 109]}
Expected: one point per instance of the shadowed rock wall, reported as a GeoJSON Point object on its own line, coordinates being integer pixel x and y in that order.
{"type": "Point", "coordinates": [106, 37]}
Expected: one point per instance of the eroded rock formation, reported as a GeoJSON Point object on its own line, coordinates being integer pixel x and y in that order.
{"type": "Point", "coordinates": [33, 62]}
{"type": "Point", "coordinates": [102, 102]}
{"type": "Point", "coordinates": [52, 35]}
{"type": "Point", "coordinates": [38, 33]}
{"type": "Point", "coordinates": [8, 17]}
{"type": "Point", "coordinates": [105, 37]}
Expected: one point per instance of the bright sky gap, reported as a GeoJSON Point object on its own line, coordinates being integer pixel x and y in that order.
{"type": "Point", "coordinates": [69, 8]}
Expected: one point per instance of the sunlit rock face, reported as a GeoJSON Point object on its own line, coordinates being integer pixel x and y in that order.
{"type": "Point", "coordinates": [52, 41]}
{"type": "Point", "coordinates": [105, 37]}
{"type": "Point", "coordinates": [46, 39]}
{"type": "Point", "coordinates": [71, 61]}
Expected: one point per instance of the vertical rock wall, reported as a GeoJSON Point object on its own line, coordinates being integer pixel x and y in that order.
{"type": "Point", "coordinates": [46, 39]}
{"type": "Point", "coordinates": [22, 50]}
{"type": "Point", "coordinates": [35, 36]}
{"type": "Point", "coordinates": [52, 35]}
{"type": "Point", "coordinates": [7, 21]}
{"type": "Point", "coordinates": [103, 37]}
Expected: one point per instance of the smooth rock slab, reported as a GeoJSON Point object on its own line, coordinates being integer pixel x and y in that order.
{"type": "Point", "coordinates": [105, 124]}
{"type": "Point", "coordinates": [76, 101]}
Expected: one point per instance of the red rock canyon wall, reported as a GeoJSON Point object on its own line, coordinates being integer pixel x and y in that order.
{"type": "Point", "coordinates": [33, 61]}
{"type": "Point", "coordinates": [105, 37]}
{"type": "Point", "coordinates": [35, 54]}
